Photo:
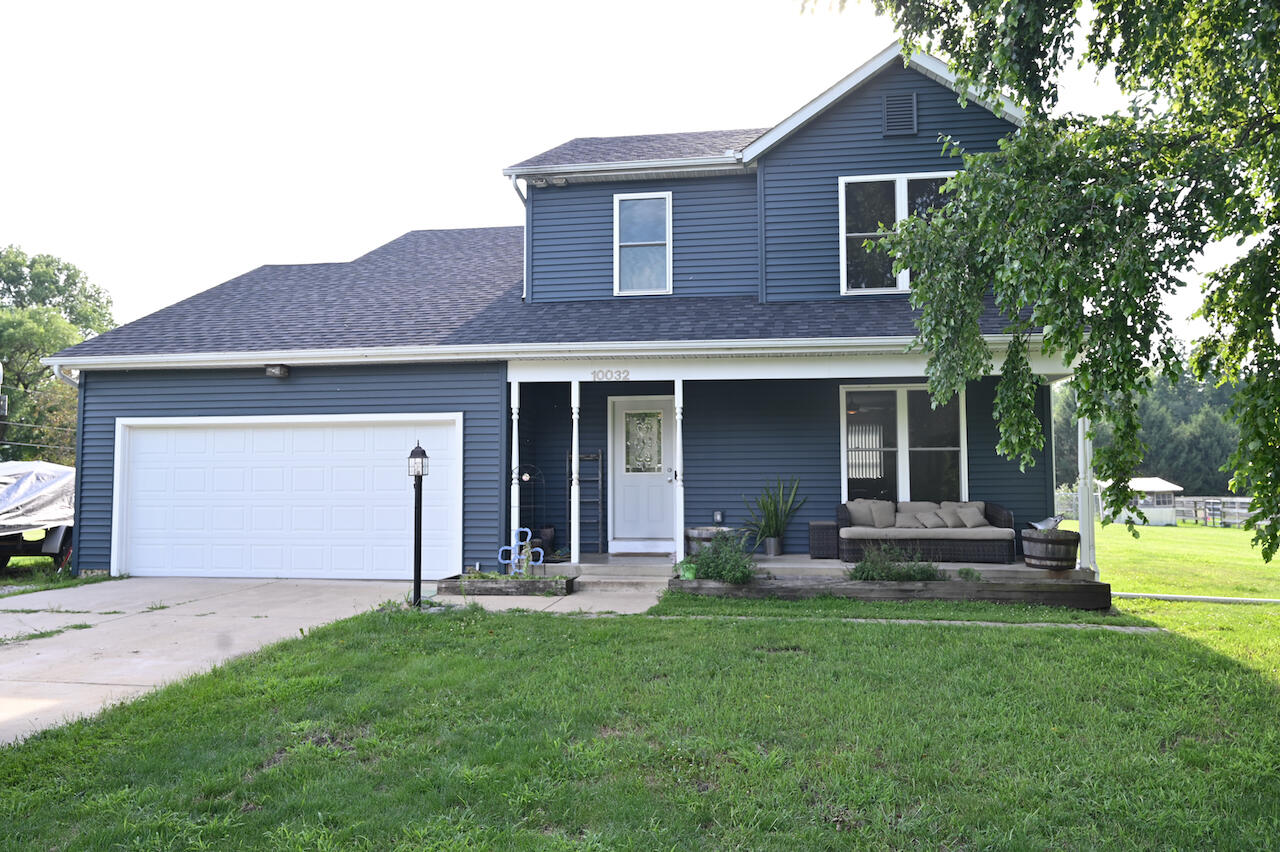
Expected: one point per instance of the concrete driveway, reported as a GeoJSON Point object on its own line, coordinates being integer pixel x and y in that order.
{"type": "Point", "coordinates": [122, 638]}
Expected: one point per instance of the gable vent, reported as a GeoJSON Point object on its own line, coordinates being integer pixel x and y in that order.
{"type": "Point", "coordinates": [900, 114]}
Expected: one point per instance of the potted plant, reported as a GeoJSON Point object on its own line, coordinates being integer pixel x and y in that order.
{"type": "Point", "coordinates": [770, 513]}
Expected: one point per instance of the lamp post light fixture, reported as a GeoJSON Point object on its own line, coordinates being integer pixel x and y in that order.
{"type": "Point", "coordinates": [419, 466]}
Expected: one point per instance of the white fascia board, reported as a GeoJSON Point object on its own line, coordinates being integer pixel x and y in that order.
{"type": "Point", "coordinates": [930, 66]}
{"type": "Point", "coordinates": [599, 350]}
{"type": "Point", "coordinates": [675, 164]}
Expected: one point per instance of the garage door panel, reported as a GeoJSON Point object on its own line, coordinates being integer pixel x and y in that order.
{"type": "Point", "coordinates": [305, 499]}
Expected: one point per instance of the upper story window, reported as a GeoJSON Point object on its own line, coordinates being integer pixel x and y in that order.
{"type": "Point", "coordinates": [870, 204]}
{"type": "Point", "coordinates": [641, 243]}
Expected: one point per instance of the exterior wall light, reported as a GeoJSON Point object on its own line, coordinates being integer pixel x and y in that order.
{"type": "Point", "coordinates": [278, 371]}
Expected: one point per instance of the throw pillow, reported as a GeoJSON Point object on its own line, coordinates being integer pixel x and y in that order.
{"type": "Point", "coordinates": [882, 513]}
{"type": "Point", "coordinates": [930, 520]}
{"type": "Point", "coordinates": [972, 517]}
{"type": "Point", "coordinates": [860, 513]}
{"type": "Point", "coordinates": [904, 520]}
{"type": "Point", "coordinates": [951, 517]}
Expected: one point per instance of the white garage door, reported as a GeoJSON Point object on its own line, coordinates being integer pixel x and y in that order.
{"type": "Point", "coordinates": [286, 496]}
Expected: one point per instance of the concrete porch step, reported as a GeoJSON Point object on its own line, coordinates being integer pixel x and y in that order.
{"type": "Point", "coordinates": [595, 583]}
{"type": "Point", "coordinates": [655, 568]}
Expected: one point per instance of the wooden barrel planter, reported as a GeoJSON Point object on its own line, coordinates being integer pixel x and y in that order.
{"type": "Point", "coordinates": [1054, 550]}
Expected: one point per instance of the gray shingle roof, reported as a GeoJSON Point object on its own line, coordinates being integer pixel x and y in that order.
{"type": "Point", "coordinates": [659, 146]}
{"type": "Point", "coordinates": [461, 287]}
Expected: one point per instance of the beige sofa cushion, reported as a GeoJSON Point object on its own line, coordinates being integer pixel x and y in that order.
{"type": "Point", "coordinates": [972, 517]}
{"type": "Point", "coordinates": [860, 513]}
{"type": "Point", "coordinates": [882, 513]}
{"type": "Point", "coordinates": [930, 520]}
{"type": "Point", "coordinates": [980, 505]}
{"type": "Point", "coordinates": [907, 521]}
{"type": "Point", "coordinates": [951, 517]}
{"type": "Point", "coordinates": [913, 506]}
{"type": "Point", "coordinates": [987, 533]}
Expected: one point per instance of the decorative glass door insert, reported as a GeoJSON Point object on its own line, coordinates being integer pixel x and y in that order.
{"type": "Point", "coordinates": [644, 442]}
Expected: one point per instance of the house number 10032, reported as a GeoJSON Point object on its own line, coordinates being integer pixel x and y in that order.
{"type": "Point", "coordinates": [610, 375]}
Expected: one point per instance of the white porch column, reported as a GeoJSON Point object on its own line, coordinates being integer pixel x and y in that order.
{"type": "Point", "coordinates": [1085, 495]}
{"type": "Point", "coordinates": [678, 469]}
{"type": "Point", "coordinates": [515, 462]}
{"type": "Point", "coordinates": [575, 489]}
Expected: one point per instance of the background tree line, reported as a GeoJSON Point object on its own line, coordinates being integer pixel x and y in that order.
{"type": "Point", "coordinates": [1186, 431]}
{"type": "Point", "coordinates": [46, 304]}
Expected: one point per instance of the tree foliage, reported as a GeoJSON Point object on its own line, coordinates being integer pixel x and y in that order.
{"type": "Point", "coordinates": [1081, 226]}
{"type": "Point", "coordinates": [1185, 428]}
{"type": "Point", "coordinates": [46, 304]}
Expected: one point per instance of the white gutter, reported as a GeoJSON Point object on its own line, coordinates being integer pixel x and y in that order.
{"type": "Point", "coordinates": [74, 381]}
{"type": "Point", "coordinates": [508, 352]}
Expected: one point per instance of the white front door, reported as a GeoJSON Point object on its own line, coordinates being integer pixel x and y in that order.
{"type": "Point", "coordinates": [641, 455]}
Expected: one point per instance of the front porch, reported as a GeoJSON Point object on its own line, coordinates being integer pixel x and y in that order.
{"type": "Point", "coordinates": [796, 567]}
{"type": "Point", "coordinates": [588, 455]}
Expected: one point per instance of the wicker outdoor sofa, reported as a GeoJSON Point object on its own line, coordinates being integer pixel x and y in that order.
{"type": "Point", "coordinates": [985, 535]}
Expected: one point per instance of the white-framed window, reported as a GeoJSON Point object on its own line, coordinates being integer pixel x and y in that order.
{"type": "Point", "coordinates": [868, 202]}
{"type": "Point", "coordinates": [641, 243]}
{"type": "Point", "coordinates": [896, 446]}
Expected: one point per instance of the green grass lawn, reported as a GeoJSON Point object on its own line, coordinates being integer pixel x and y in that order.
{"type": "Point", "coordinates": [529, 731]}
{"type": "Point", "coordinates": [1185, 560]}
{"type": "Point", "coordinates": [37, 574]}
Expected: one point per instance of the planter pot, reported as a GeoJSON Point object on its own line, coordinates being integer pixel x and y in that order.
{"type": "Point", "coordinates": [696, 538]}
{"type": "Point", "coordinates": [457, 585]}
{"type": "Point", "coordinates": [1053, 550]}
{"type": "Point", "coordinates": [773, 547]}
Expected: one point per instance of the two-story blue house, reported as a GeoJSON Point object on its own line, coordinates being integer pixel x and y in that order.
{"type": "Point", "coordinates": [683, 319]}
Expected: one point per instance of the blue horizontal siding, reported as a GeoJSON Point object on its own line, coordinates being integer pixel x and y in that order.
{"type": "Point", "coordinates": [715, 235]}
{"type": "Point", "coordinates": [799, 186]}
{"type": "Point", "coordinates": [740, 437]}
{"type": "Point", "coordinates": [477, 390]}
{"type": "Point", "coordinates": [1028, 494]}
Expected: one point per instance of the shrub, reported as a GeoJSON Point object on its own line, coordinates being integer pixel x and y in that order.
{"type": "Point", "coordinates": [969, 575]}
{"type": "Point", "coordinates": [889, 563]}
{"type": "Point", "coordinates": [723, 559]}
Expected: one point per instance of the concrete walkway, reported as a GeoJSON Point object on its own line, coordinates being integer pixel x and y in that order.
{"type": "Point", "coordinates": [1194, 598]}
{"type": "Point", "coordinates": [123, 638]}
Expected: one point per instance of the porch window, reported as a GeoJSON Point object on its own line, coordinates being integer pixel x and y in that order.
{"type": "Point", "coordinates": [897, 447]}
{"type": "Point", "coordinates": [870, 207]}
{"type": "Point", "coordinates": [641, 243]}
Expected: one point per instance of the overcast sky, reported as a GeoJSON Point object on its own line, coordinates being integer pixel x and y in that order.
{"type": "Point", "coordinates": [166, 147]}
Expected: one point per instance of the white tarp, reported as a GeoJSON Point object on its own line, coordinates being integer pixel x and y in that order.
{"type": "Point", "coordinates": [36, 496]}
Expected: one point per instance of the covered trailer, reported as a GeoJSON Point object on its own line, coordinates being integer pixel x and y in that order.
{"type": "Point", "coordinates": [37, 510]}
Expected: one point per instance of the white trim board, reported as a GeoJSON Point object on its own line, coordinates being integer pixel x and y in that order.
{"type": "Point", "coordinates": [694, 368]}
{"type": "Point", "coordinates": [126, 425]}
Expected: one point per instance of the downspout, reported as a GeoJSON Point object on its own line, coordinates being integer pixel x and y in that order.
{"type": "Point", "coordinates": [66, 377]}
{"type": "Point", "coordinates": [524, 293]}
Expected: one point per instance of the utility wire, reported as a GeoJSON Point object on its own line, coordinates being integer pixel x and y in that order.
{"type": "Point", "coordinates": [43, 446]}
{"type": "Point", "coordinates": [37, 426]}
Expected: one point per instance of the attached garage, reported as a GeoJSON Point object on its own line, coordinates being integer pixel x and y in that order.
{"type": "Point", "coordinates": [299, 496]}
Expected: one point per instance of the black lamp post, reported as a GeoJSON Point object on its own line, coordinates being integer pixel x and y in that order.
{"type": "Point", "coordinates": [419, 466]}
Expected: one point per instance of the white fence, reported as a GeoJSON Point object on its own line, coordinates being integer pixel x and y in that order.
{"type": "Point", "coordinates": [1213, 511]}
{"type": "Point", "coordinates": [1207, 511]}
